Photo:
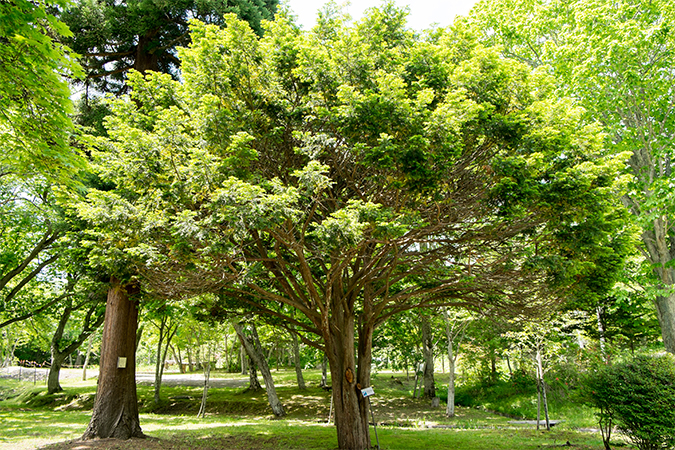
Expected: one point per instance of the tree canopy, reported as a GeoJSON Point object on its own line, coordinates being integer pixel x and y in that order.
{"type": "Point", "coordinates": [350, 173]}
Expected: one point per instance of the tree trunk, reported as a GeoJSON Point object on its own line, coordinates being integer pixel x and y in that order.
{"type": "Point", "coordinates": [145, 56]}
{"type": "Point", "coordinates": [115, 413]}
{"type": "Point", "coordinates": [53, 384]}
{"type": "Point", "coordinates": [659, 244]}
{"type": "Point", "coordinates": [324, 371]}
{"type": "Point", "coordinates": [428, 351]}
{"type": "Point", "coordinates": [189, 356]}
{"type": "Point", "coordinates": [242, 357]}
{"type": "Point", "coordinates": [601, 334]}
{"type": "Point", "coordinates": [167, 331]}
{"type": "Point", "coordinates": [158, 361]}
{"type": "Point", "coordinates": [296, 361]}
{"type": "Point", "coordinates": [351, 409]}
{"type": "Point", "coordinates": [665, 308]}
{"type": "Point", "coordinates": [254, 350]}
{"type": "Point", "coordinates": [542, 389]}
{"type": "Point", "coordinates": [205, 392]}
{"type": "Point", "coordinates": [227, 355]}
{"type": "Point", "coordinates": [86, 358]}
{"type": "Point", "coordinates": [452, 358]}
{"type": "Point", "coordinates": [177, 357]}
{"type": "Point", "coordinates": [59, 354]}
{"type": "Point", "coordinates": [253, 383]}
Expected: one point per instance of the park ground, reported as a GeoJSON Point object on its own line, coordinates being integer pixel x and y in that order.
{"type": "Point", "coordinates": [237, 419]}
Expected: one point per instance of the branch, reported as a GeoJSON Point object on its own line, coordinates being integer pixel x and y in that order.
{"type": "Point", "coordinates": [44, 243]}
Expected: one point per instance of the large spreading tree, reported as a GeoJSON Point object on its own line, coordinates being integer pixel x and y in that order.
{"type": "Point", "coordinates": [617, 59]}
{"type": "Point", "coordinates": [349, 173]}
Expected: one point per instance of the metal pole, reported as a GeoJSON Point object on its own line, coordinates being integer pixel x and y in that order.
{"type": "Point", "coordinates": [374, 424]}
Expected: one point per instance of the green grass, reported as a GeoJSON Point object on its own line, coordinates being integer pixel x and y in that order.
{"type": "Point", "coordinates": [238, 419]}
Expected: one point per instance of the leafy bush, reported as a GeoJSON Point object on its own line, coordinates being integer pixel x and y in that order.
{"type": "Point", "coordinates": [639, 397]}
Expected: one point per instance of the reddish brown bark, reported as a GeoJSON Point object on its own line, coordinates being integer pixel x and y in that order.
{"type": "Point", "coordinates": [115, 412]}
{"type": "Point", "coordinates": [351, 413]}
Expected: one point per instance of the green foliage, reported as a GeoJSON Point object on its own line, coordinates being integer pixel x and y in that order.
{"type": "Point", "coordinates": [639, 397]}
{"type": "Point", "coordinates": [35, 126]}
{"type": "Point", "coordinates": [114, 37]}
{"type": "Point", "coordinates": [616, 59]}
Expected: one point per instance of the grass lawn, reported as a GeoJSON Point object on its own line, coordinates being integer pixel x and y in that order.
{"type": "Point", "coordinates": [242, 420]}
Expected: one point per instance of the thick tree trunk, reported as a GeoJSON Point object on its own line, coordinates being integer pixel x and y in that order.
{"type": "Point", "coordinates": [146, 59]}
{"type": "Point", "coordinates": [115, 413]}
{"type": "Point", "coordinates": [254, 350]}
{"type": "Point", "coordinates": [660, 251]}
{"type": "Point", "coordinates": [428, 351]}
{"type": "Point", "coordinates": [351, 409]}
{"type": "Point", "coordinates": [53, 384]}
{"type": "Point", "coordinates": [296, 361]}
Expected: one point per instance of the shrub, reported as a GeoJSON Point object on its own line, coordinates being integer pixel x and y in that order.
{"type": "Point", "coordinates": [639, 397]}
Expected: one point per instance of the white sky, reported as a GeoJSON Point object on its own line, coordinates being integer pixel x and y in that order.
{"type": "Point", "coordinates": [423, 13]}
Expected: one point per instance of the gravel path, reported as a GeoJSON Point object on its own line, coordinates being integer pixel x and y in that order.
{"type": "Point", "coordinates": [195, 379]}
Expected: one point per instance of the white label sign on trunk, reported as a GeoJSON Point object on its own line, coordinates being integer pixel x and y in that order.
{"type": "Point", "coordinates": [121, 362]}
{"type": "Point", "coordinates": [367, 392]}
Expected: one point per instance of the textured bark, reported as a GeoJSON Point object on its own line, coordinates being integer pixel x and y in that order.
{"type": "Point", "coordinates": [428, 351]}
{"type": "Point", "coordinates": [349, 406]}
{"type": "Point", "coordinates": [252, 345]}
{"type": "Point", "coordinates": [115, 413]}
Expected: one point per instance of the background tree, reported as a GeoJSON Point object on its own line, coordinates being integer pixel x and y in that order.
{"type": "Point", "coordinates": [166, 320]}
{"type": "Point", "coordinates": [116, 37]}
{"type": "Point", "coordinates": [616, 58]}
{"type": "Point", "coordinates": [248, 335]}
{"type": "Point", "coordinates": [89, 306]}
{"type": "Point", "coordinates": [34, 97]}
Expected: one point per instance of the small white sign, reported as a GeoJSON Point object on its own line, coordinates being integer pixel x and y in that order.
{"type": "Point", "coordinates": [367, 392]}
{"type": "Point", "coordinates": [122, 362]}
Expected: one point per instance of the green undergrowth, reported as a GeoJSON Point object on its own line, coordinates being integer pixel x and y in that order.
{"type": "Point", "coordinates": [517, 398]}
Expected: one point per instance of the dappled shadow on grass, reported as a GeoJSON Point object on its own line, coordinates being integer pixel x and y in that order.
{"type": "Point", "coordinates": [177, 442]}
